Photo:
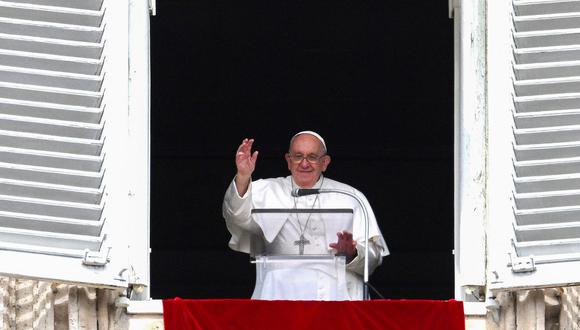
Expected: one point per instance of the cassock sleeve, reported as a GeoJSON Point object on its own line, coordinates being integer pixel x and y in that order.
{"type": "Point", "coordinates": [377, 245]}
{"type": "Point", "coordinates": [357, 265]}
{"type": "Point", "coordinates": [237, 212]}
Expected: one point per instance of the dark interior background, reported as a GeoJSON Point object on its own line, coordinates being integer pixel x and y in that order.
{"type": "Point", "coordinates": [374, 78]}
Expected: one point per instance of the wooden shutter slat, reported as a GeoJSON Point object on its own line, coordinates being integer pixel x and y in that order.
{"type": "Point", "coordinates": [50, 143]}
{"type": "Point", "coordinates": [547, 22]}
{"type": "Point", "coordinates": [549, 199]}
{"type": "Point", "coordinates": [51, 30]}
{"type": "Point", "coordinates": [50, 95]}
{"type": "Point", "coordinates": [546, 167]}
{"type": "Point", "coordinates": [51, 159]}
{"type": "Point", "coordinates": [53, 240]}
{"type": "Point", "coordinates": [51, 46]}
{"type": "Point", "coordinates": [50, 127]}
{"type": "Point", "coordinates": [544, 232]}
{"type": "Point", "coordinates": [37, 190]}
{"type": "Point", "coordinates": [548, 248]}
{"type": "Point", "coordinates": [51, 175]}
{"type": "Point", "coordinates": [547, 70]}
{"type": "Point", "coordinates": [547, 183]}
{"type": "Point", "coordinates": [47, 62]}
{"type": "Point", "coordinates": [547, 86]}
{"type": "Point", "coordinates": [78, 4]}
{"type": "Point", "coordinates": [537, 103]}
{"type": "Point", "coordinates": [11, 203]}
{"type": "Point", "coordinates": [547, 119]}
{"type": "Point", "coordinates": [51, 224]}
{"type": "Point", "coordinates": [547, 135]}
{"type": "Point", "coordinates": [547, 215]}
{"type": "Point", "coordinates": [547, 38]}
{"type": "Point", "coordinates": [51, 110]}
{"type": "Point", "coordinates": [53, 14]}
{"type": "Point", "coordinates": [546, 54]}
{"type": "Point", "coordinates": [542, 7]}
{"type": "Point", "coordinates": [64, 80]}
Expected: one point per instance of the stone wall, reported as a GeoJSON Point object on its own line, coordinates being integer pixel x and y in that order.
{"type": "Point", "coordinates": [29, 304]}
{"type": "Point", "coordinates": [540, 309]}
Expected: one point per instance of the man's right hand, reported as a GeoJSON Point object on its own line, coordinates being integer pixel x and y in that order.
{"type": "Point", "coordinates": [245, 164]}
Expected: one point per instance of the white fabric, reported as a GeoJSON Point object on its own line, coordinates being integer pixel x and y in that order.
{"type": "Point", "coordinates": [318, 224]}
{"type": "Point", "coordinates": [316, 135]}
{"type": "Point", "coordinates": [300, 279]}
{"type": "Point", "coordinates": [275, 193]}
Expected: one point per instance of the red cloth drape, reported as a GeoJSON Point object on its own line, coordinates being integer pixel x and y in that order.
{"type": "Point", "coordinates": [223, 314]}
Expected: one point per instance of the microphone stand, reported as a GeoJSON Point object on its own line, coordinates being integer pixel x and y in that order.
{"type": "Point", "coordinates": [297, 192]}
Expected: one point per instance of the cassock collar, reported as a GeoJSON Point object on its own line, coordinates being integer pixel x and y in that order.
{"type": "Point", "coordinates": [317, 185]}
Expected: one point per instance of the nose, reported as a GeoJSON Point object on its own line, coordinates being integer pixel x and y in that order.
{"type": "Point", "coordinates": [304, 163]}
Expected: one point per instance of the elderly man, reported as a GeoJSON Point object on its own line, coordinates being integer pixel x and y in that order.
{"type": "Point", "coordinates": [307, 159]}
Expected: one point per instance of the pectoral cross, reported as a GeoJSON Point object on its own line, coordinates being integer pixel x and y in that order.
{"type": "Point", "coordinates": [301, 242]}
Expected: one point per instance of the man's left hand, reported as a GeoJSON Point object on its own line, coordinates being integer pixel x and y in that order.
{"type": "Point", "coordinates": [345, 245]}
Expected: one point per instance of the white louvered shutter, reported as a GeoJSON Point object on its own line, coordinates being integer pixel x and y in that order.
{"type": "Point", "coordinates": [63, 140]}
{"type": "Point", "coordinates": [544, 236]}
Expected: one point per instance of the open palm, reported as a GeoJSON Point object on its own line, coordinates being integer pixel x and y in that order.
{"type": "Point", "coordinates": [245, 159]}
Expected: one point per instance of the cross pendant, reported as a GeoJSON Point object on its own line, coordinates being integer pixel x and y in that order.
{"type": "Point", "coordinates": [301, 242]}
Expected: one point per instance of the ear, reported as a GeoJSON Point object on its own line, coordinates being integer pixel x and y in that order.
{"type": "Point", "coordinates": [325, 162]}
{"type": "Point", "coordinates": [287, 157]}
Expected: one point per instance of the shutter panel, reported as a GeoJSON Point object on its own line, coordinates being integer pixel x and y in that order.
{"type": "Point", "coordinates": [545, 247]}
{"type": "Point", "coordinates": [63, 92]}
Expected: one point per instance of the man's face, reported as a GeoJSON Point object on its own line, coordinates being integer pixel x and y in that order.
{"type": "Point", "coordinates": [306, 160]}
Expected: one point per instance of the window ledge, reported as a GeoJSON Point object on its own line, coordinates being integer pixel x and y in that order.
{"type": "Point", "coordinates": [137, 307]}
{"type": "Point", "coordinates": [156, 307]}
{"type": "Point", "coordinates": [474, 308]}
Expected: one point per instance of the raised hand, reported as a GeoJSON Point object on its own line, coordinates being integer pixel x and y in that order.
{"type": "Point", "coordinates": [345, 245]}
{"type": "Point", "coordinates": [245, 164]}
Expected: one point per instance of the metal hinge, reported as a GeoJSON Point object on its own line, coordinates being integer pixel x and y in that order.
{"type": "Point", "coordinates": [96, 258]}
{"type": "Point", "coordinates": [522, 264]}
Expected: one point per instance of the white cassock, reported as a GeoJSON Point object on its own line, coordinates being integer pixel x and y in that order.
{"type": "Point", "coordinates": [279, 239]}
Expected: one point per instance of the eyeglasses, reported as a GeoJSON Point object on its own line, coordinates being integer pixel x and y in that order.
{"type": "Point", "coordinates": [311, 158]}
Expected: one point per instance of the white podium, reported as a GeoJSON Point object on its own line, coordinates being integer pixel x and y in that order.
{"type": "Point", "coordinates": [300, 277]}
{"type": "Point", "coordinates": [284, 274]}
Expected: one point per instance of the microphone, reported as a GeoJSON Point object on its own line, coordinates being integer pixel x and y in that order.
{"type": "Point", "coordinates": [297, 192]}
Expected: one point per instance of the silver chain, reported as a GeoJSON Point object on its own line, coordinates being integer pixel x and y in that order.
{"type": "Point", "coordinates": [302, 230]}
